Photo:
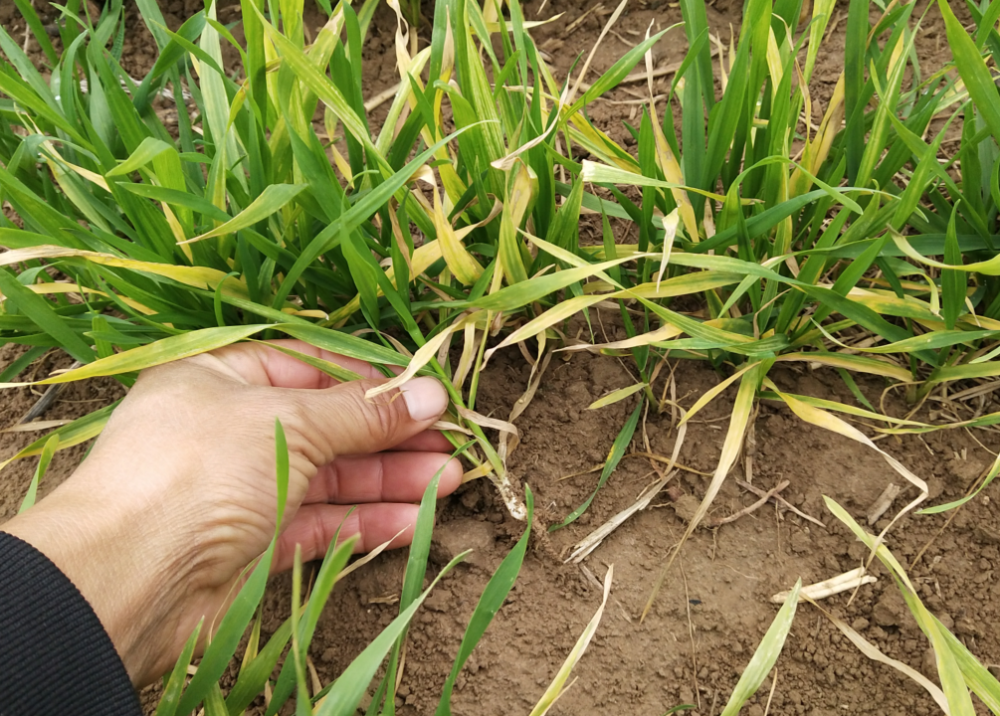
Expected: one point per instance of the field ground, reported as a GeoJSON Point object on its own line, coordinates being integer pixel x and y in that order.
{"type": "Point", "coordinates": [714, 607]}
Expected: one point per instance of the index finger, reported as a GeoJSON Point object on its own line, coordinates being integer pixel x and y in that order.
{"type": "Point", "coordinates": [258, 364]}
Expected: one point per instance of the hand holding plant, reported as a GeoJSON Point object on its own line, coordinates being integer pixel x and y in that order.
{"type": "Point", "coordinates": [178, 495]}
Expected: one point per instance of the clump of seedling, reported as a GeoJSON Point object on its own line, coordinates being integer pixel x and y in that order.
{"type": "Point", "coordinates": [831, 236]}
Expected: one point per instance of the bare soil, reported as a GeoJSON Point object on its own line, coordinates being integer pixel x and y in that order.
{"type": "Point", "coordinates": [715, 603]}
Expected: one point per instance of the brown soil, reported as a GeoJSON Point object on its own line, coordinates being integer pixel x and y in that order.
{"type": "Point", "coordinates": [74, 400]}
{"type": "Point", "coordinates": [714, 606]}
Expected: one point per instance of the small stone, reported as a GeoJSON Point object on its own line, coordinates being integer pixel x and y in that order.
{"type": "Point", "coordinates": [857, 551]}
{"type": "Point", "coordinates": [987, 535]}
{"type": "Point", "coordinates": [929, 665]}
{"type": "Point", "coordinates": [889, 610]}
{"type": "Point", "coordinates": [686, 506]}
{"type": "Point", "coordinates": [963, 472]}
{"type": "Point", "coordinates": [801, 543]}
{"type": "Point", "coordinates": [859, 624]}
{"type": "Point", "coordinates": [967, 627]}
{"type": "Point", "coordinates": [366, 700]}
{"type": "Point", "coordinates": [440, 600]}
{"type": "Point", "coordinates": [471, 499]}
{"type": "Point", "coordinates": [453, 538]}
{"type": "Point", "coordinates": [578, 394]}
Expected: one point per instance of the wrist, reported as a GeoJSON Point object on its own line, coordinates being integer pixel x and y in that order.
{"type": "Point", "coordinates": [106, 550]}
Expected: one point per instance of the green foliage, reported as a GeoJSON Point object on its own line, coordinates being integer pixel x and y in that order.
{"type": "Point", "coordinates": [250, 218]}
{"type": "Point", "coordinates": [770, 229]}
{"type": "Point", "coordinates": [48, 450]}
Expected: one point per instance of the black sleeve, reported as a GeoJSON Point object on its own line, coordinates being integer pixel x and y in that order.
{"type": "Point", "coordinates": [55, 657]}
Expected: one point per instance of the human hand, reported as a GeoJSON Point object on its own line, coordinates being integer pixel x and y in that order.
{"type": "Point", "coordinates": [179, 493]}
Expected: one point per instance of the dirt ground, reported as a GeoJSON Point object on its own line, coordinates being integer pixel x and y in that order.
{"type": "Point", "coordinates": [714, 606]}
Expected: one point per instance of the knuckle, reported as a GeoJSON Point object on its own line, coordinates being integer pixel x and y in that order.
{"type": "Point", "coordinates": [383, 414]}
{"type": "Point", "coordinates": [298, 423]}
{"type": "Point", "coordinates": [389, 413]}
{"type": "Point", "coordinates": [319, 538]}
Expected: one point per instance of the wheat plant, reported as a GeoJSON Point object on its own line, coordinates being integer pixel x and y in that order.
{"type": "Point", "coordinates": [836, 234]}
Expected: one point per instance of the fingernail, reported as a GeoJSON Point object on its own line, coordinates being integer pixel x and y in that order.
{"type": "Point", "coordinates": [425, 398]}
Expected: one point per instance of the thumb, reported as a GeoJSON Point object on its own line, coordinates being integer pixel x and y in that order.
{"type": "Point", "coordinates": [351, 424]}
